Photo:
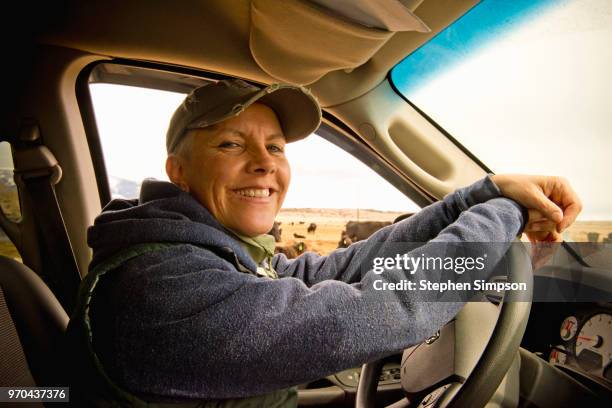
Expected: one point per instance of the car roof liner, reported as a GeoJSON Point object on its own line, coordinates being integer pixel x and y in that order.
{"type": "Point", "coordinates": [321, 36]}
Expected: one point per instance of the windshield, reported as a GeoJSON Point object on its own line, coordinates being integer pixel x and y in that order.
{"type": "Point", "coordinates": [524, 85]}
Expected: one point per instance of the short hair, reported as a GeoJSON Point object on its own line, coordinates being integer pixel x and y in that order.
{"type": "Point", "coordinates": [184, 147]}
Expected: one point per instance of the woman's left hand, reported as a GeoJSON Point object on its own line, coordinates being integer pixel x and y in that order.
{"type": "Point", "coordinates": [552, 203]}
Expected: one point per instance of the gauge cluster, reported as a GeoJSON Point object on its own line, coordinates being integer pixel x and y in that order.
{"type": "Point", "coordinates": [584, 343]}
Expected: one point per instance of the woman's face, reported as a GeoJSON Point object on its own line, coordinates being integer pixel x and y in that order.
{"type": "Point", "coordinates": [237, 169]}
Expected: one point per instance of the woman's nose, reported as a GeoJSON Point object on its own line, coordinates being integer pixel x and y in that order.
{"type": "Point", "coordinates": [261, 161]}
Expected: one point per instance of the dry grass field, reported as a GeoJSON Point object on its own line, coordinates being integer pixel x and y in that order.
{"type": "Point", "coordinates": [589, 231]}
{"type": "Point", "coordinates": [9, 203]}
{"type": "Point", "coordinates": [331, 222]}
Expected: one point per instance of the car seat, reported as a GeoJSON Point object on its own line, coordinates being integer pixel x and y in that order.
{"type": "Point", "coordinates": [32, 326]}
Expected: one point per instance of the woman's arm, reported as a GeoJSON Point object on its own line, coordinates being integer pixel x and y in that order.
{"type": "Point", "coordinates": [230, 334]}
{"type": "Point", "coordinates": [342, 264]}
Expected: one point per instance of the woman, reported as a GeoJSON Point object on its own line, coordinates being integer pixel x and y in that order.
{"type": "Point", "coordinates": [190, 303]}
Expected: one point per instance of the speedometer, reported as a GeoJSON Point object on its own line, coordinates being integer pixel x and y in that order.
{"type": "Point", "coordinates": [594, 343]}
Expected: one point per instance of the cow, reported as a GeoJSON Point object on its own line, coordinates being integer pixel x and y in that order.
{"type": "Point", "coordinates": [298, 236]}
{"type": "Point", "coordinates": [291, 251]}
{"type": "Point", "coordinates": [358, 230]}
{"type": "Point", "coordinates": [312, 228]}
{"type": "Point", "coordinates": [345, 241]}
{"type": "Point", "coordinates": [276, 231]}
{"type": "Point", "coordinates": [593, 236]}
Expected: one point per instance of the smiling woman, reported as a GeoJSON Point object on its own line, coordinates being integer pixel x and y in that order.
{"type": "Point", "coordinates": [329, 187]}
{"type": "Point", "coordinates": [229, 176]}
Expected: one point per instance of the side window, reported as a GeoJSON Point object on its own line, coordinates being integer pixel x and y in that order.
{"type": "Point", "coordinates": [333, 200]}
{"type": "Point", "coordinates": [132, 124]}
{"type": "Point", "coordinates": [9, 199]}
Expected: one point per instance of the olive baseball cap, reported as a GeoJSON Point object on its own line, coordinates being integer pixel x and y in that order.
{"type": "Point", "coordinates": [297, 109]}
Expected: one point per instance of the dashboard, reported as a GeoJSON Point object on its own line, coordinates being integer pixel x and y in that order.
{"type": "Point", "coordinates": [574, 337]}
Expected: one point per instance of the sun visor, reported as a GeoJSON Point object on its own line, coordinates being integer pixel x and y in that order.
{"type": "Point", "coordinates": [299, 41]}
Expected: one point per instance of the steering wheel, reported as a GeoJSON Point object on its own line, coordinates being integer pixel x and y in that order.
{"type": "Point", "coordinates": [464, 365]}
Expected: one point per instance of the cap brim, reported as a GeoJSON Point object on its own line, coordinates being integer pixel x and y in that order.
{"type": "Point", "coordinates": [297, 110]}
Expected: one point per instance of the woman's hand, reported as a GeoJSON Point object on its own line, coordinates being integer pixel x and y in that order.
{"type": "Point", "coordinates": [552, 203]}
{"type": "Point", "coordinates": [540, 229]}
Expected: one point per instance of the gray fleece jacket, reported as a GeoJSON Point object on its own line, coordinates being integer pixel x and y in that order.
{"type": "Point", "coordinates": [183, 322]}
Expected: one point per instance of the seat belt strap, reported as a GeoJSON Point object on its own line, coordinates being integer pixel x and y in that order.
{"type": "Point", "coordinates": [38, 173]}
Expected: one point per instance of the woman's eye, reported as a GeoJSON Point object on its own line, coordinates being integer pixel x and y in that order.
{"type": "Point", "coordinates": [276, 148]}
{"type": "Point", "coordinates": [229, 145]}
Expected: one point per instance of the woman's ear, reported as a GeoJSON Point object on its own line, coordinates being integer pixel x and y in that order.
{"type": "Point", "coordinates": [175, 170]}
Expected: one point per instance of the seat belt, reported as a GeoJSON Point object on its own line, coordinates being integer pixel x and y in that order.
{"type": "Point", "coordinates": [37, 171]}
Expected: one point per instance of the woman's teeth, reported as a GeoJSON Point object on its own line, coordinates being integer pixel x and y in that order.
{"type": "Point", "coordinates": [251, 192]}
